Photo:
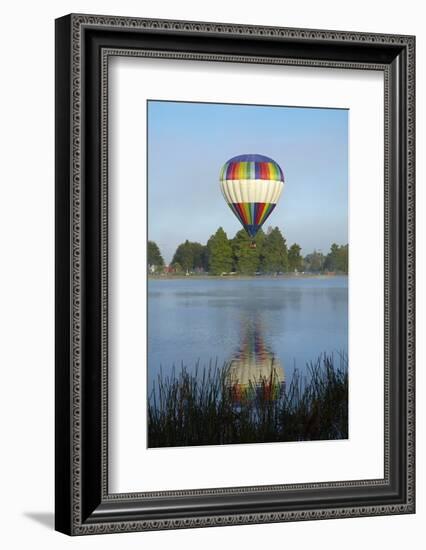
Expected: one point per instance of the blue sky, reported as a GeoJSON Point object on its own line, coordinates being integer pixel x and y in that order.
{"type": "Point", "coordinates": [189, 142]}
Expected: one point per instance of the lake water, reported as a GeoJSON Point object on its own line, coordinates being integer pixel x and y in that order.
{"type": "Point", "coordinates": [289, 320]}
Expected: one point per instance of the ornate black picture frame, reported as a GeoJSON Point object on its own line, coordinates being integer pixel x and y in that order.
{"type": "Point", "coordinates": [84, 44]}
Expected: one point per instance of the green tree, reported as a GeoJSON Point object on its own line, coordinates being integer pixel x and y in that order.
{"type": "Point", "coordinates": [295, 260]}
{"type": "Point", "coordinates": [154, 256]}
{"type": "Point", "coordinates": [184, 256]}
{"type": "Point", "coordinates": [219, 253]}
{"type": "Point", "coordinates": [199, 256]}
{"type": "Point", "coordinates": [331, 260]}
{"type": "Point", "coordinates": [260, 240]}
{"type": "Point", "coordinates": [337, 258]}
{"type": "Point", "coordinates": [343, 264]}
{"type": "Point", "coordinates": [246, 257]}
{"type": "Point", "coordinates": [191, 255]}
{"type": "Point", "coordinates": [274, 252]}
{"type": "Point", "coordinates": [314, 262]}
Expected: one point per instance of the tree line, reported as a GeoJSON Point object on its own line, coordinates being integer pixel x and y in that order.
{"type": "Point", "coordinates": [271, 255]}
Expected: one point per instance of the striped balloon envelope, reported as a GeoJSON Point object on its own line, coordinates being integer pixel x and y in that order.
{"type": "Point", "coordinates": [252, 186]}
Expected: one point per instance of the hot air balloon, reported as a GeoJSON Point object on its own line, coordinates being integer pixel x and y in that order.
{"type": "Point", "coordinates": [252, 186]}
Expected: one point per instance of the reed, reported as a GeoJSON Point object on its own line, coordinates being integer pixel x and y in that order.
{"type": "Point", "coordinates": [200, 408]}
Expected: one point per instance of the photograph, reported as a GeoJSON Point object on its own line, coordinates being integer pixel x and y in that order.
{"type": "Point", "coordinates": [234, 305]}
{"type": "Point", "coordinates": [248, 270]}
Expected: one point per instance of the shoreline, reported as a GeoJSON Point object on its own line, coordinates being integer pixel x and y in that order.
{"type": "Point", "coordinates": [245, 277]}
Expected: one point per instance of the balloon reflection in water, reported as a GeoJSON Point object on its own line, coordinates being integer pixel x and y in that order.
{"type": "Point", "coordinates": [255, 372]}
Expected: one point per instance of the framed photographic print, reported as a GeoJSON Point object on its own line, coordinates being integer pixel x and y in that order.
{"type": "Point", "coordinates": [234, 274]}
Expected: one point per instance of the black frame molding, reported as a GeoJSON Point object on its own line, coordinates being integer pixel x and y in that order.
{"type": "Point", "coordinates": [84, 43]}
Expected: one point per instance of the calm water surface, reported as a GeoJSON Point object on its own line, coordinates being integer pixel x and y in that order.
{"type": "Point", "coordinates": [292, 321]}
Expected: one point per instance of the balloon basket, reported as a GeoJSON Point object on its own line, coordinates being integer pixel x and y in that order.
{"type": "Point", "coordinates": [252, 244]}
